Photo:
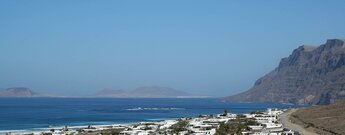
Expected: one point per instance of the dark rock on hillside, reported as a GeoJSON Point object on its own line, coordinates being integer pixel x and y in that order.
{"type": "Point", "coordinates": [310, 75]}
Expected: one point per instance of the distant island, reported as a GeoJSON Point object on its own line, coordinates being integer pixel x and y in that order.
{"type": "Point", "coordinates": [140, 92]}
{"type": "Point", "coordinates": [310, 75]}
{"type": "Point", "coordinates": [19, 92]}
{"type": "Point", "coordinates": [144, 92]}
{"type": "Point", "coordinates": [23, 92]}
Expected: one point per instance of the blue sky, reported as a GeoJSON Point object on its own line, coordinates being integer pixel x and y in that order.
{"type": "Point", "coordinates": [214, 48]}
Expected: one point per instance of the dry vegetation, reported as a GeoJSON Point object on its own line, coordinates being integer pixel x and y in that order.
{"type": "Point", "coordinates": [328, 119]}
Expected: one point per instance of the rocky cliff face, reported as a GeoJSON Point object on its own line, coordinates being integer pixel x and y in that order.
{"type": "Point", "coordinates": [310, 75]}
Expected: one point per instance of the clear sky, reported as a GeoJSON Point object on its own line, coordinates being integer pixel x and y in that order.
{"type": "Point", "coordinates": [216, 48]}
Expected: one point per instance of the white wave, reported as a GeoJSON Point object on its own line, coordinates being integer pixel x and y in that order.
{"type": "Point", "coordinates": [47, 129]}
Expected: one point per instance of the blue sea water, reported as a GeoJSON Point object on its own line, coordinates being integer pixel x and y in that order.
{"type": "Point", "coordinates": [38, 113]}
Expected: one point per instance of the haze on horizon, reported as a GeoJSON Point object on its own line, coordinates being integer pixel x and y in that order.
{"type": "Point", "coordinates": [214, 48]}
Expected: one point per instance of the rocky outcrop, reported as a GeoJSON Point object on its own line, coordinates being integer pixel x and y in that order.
{"type": "Point", "coordinates": [310, 75]}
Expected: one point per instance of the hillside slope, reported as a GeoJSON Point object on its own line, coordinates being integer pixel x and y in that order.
{"type": "Point", "coordinates": [325, 120]}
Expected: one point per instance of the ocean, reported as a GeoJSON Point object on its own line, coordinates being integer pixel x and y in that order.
{"type": "Point", "coordinates": [35, 114]}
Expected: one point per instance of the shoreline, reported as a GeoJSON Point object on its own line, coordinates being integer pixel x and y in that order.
{"type": "Point", "coordinates": [78, 126]}
{"type": "Point", "coordinates": [40, 130]}
{"type": "Point", "coordinates": [74, 127]}
{"type": "Point", "coordinates": [45, 130]}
